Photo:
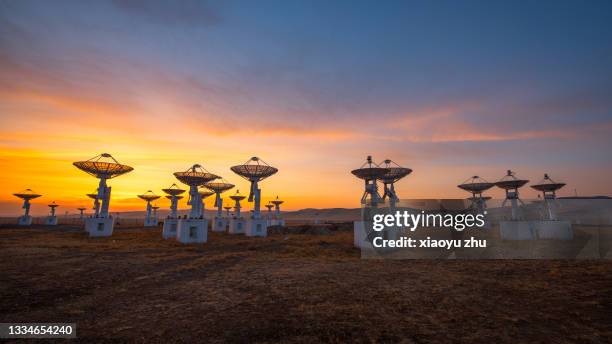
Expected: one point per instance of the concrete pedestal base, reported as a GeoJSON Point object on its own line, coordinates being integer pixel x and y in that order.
{"type": "Point", "coordinates": [99, 227]}
{"type": "Point", "coordinates": [237, 225]}
{"type": "Point", "coordinates": [516, 230]}
{"type": "Point", "coordinates": [219, 224]}
{"type": "Point", "coordinates": [192, 231]}
{"type": "Point", "coordinates": [24, 220]}
{"type": "Point", "coordinates": [257, 227]}
{"type": "Point", "coordinates": [360, 234]}
{"type": "Point", "coordinates": [170, 227]}
{"type": "Point", "coordinates": [51, 221]}
{"type": "Point", "coordinates": [557, 230]}
{"type": "Point", "coordinates": [151, 222]}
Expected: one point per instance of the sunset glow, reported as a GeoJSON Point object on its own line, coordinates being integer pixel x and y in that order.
{"type": "Point", "coordinates": [219, 83]}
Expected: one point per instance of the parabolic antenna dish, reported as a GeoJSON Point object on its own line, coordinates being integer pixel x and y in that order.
{"type": "Point", "coordinates": [92, 195]}
{"type": "Point", "coordinates": [475, 185]}
{"type": "Point", "coordinates": [218, 186]}
{"type": "Point", "coordinates": [277, 201]}
{"type": "Point", "coordinates": [511, 182]}
{"type": "Point", "coordinates": [173, 190]}
{"type": "Point", "coordinates": [81, 209]}
{"type": "Point", "coordinates": [27, 194]}
{"type": "Point", "coordinates": [548, 185]}
{"type": "Point", "coordinates": [227, 207]}
{"type": "Point", "coordinates": [177, 197]}
{"type": "Point", "coordinates": [205, 193]}
{"type": "Point", "coordinates": [254, 170]}
{"type": "Point", "coordinates": [155, 207]}
{"type": "Point", "coordinates": [395, 172]}
{"type": "Point", "coordinates": [53, 205]}
{"type": "Point", "coordinates": [103, 166]}
{"type": "Point", "coordinates": [237, 196]}
{"type": "Point", "coordinates": [195, 176]}
{"type": "Point", "coordinates": [370, 171]}
{"type": "Point", "coordinates": [149, 196]}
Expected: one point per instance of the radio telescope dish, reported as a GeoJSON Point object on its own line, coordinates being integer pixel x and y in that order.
{"type": "Point", "coordinates": [92, 195]}
{"type": "Point", "coordinates": [173, 190]}
{"type": "Point", "coordinates": [277, 201]}
{"type": "Point", "coordinates": [103, 166]}
{"type": "Point", "coordinates": [370, 172]}
{"type": "Point", "coordinates": [27, 194]}
{"type": "Point", "coordinates": [255, 170]}
{"type": "Point", "coordinates": [548, 185]}
{"type": "Point", "coordinates": [218, 188]}
{"type": "Point", "coordinates": [394, 173]}
{"type": "Point", "coordinates": [53, 205]}
{"type": "Point", "coordinates": [149, 196]}
{"type": "Point", "coordinates": [151, 217]}
{"type": "Point", "coordinates": [511, 182]}
{"type": "Point", "coordinates": [549, 188]}
{"type": "Point", "coordinates": [195, 176]}
{"type": "Point", "coordinates": [476, 186]}
{"type": "Point", "coordinates": [173, 194]}
{"type": "Point", "coordinates": [237, 196]}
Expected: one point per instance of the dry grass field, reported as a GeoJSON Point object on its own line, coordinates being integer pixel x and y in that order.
{"type": "Point", "coordinates": [137, 287]}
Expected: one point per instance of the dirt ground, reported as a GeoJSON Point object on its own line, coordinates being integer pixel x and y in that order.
{"type": "Point", "coordinates": [137, 287]}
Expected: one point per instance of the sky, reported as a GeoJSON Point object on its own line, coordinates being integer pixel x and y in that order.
{"type": "Point", "coordinates": [450, 89]}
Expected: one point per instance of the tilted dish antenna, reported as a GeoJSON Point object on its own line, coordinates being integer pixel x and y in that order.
{"type": "Point", "coordinates": [255, 170]}
{"type": "Point", "coordinates": [194, 177]}
{"type": "Point", "coordinates": [103, 167]}
{"type": "Point", "coordinates": [370, 172]}
{"type": "Point", "coordinates": [27, 195]}
{"type": "Point", "coordinates": [476, 186]}
{"type": "Point", "coordinates": [549, 189]}
{"type": "Point", "coordinates": [510, 183]}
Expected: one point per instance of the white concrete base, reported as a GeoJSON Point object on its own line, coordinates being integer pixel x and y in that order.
{"type": "Point", "coordinates": [51, 221]}
{"type": "Point", "coordinates": [99, 227]}
{"type": "Point", "coordinates": [516, 230]}
{"type": "Point", "coordinates": [151, 222]}
{"type": "Point", "coordinates": [557, 230]}
{"type": "Point", "coordinates": [237, 226]}
{"type": "Point", "coordinates": [192, 231]}
{"type": "Point", "coordinates": [257, 227]}
{"type": "Point", "coordinates": [170, 228]}
{"type": "Point", "coordinates": [24, 220]}
{"type": "Point", "coordinates": [219, 224]}
{"type": "Point", "coordinates": [360, 234]}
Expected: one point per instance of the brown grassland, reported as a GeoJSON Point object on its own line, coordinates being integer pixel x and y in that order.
{"type": "Point", "coordinates": [137, 287]}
